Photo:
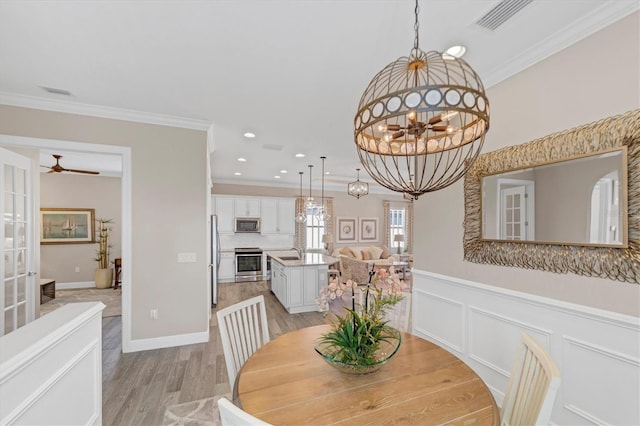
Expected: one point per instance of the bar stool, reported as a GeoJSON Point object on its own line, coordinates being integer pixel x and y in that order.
{"type": "Point", "coordinates": [117, 265]}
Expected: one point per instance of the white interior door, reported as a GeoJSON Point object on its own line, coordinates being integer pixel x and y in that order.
{"type": "Point", "coordinates": [18, 284]}
{"type": "Point", "coordinates": [513, 213]}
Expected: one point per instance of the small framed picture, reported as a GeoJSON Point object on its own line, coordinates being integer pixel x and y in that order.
{"type": "Point", "coordinates": [368, 229]}
{"type": "Point", "coordinates": [347, 230]}
{"type": "Point", "coordinates": [66, 226]}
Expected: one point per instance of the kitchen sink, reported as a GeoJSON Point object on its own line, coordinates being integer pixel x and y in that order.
{"type": "Point", "coordinates": [288, 258]}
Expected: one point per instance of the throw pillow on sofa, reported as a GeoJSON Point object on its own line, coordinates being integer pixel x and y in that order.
{"type": "Point", "coordinates": [376, 252]}
{"type": "Point", "coordinates": [385, 253]}
{"type": "Point", "coordinates": [346, 252]}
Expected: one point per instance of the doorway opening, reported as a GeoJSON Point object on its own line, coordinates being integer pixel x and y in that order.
{"type": "Point", "coordinates": [11, 141]}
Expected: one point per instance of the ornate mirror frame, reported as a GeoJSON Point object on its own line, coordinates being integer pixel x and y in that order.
{"type": "Point", "coordinates": [621, 264]}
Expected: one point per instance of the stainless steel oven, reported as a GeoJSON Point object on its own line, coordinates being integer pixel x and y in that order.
{"type": "Point", "coordinates": [249, 264]}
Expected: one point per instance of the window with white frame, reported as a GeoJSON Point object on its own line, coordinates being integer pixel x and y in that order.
{"type": "Point", "coordinates": [398, 226]}
{"type": "Point", "coordinates": [315, 229]}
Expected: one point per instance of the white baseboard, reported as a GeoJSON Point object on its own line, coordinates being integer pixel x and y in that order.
{"type": "Point", "coordinates": [167, 341]}
{"type": "Point", "coordinates": [597, 351]}
{"type": "Point", "coordinates": [79, 284]}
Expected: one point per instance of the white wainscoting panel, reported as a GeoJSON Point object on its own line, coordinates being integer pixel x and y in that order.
{"type": "Point", "coordinates": [597, 352]}
{"type": "Point", "coordinates": [51, 369]}
{"type": "Point", "coordinates": [446, 319]}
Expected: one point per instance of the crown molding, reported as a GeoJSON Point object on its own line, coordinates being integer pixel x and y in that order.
{"type": "Point", "coordinates": [374, 188]}
{"type": "Point", "coordinates": [608, 13]}
{"type": "Point", "coordinates": [25, 101]}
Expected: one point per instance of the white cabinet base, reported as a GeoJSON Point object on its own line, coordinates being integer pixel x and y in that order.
{"type": "Point", "coordinates": [297, 287]}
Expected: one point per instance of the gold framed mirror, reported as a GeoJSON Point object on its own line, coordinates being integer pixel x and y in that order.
{"type": "Point", "coordinates": [616, 256]}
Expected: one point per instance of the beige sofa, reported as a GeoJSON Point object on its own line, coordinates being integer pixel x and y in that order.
{"type": "Point", "coordinates": [370, 254]}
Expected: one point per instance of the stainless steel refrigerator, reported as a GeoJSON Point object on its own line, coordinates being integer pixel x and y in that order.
{"type": "Point", "coordinates": [215, 260]}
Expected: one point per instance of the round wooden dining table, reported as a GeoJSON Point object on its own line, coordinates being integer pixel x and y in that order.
{"type": "Point", "coordinates": [286, 382]}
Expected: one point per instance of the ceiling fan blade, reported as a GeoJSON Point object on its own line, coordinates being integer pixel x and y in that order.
{"type": "Point", "coordinates": [57, 168]}
{"type": "Point", "coordinates": [88, 172]}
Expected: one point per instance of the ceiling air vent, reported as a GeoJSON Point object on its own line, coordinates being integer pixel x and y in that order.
{"type": "Point", "coordinates": [501, 13]}
{"type": "Point", "coordinates": [56, 91]}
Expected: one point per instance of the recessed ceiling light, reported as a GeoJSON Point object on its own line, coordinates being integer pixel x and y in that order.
{"type": "Point", "coordinates": [454, 52]}
{"type": "Point", "coordinates": [299, 155]}
{"type": "Point", "coordinates": [249, 135]}
{"type": "Point", "coordinates": [276, 177]}
{"type": "Point", "coordinates": [284, 171]}
{"type": "Point", "coordinates": [238, 174]}
{"type": "Point", "coordinates": [327, 173]}
{"type": "Point", "coordinates": [242, 160]}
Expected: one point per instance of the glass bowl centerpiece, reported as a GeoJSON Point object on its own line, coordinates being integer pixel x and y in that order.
{"type": "Point", "coordinates": [361, 341]}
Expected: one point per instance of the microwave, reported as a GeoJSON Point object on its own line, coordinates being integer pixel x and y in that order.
{"type": "Point", "coordinates": [247, 224]}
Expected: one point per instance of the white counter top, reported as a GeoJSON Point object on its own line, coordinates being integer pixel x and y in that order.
{"type": "Point", "coordinates": [308, 259]}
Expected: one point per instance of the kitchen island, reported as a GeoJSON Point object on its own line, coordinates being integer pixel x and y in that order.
{"type": "Point", "coordinates": [296, 282]}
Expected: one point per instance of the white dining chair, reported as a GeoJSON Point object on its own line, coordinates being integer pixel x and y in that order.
{"type": "Point", "coordinates": [397, 316]}
{"type": "Point", "coordinates": [532, 387]}
{"type": "Point", "coordinates": [230, 415]}
{"type": "Point", "coordinates": [243, 329]}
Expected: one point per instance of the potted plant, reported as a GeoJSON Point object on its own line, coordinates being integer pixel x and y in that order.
{"type": "Point", "coordinates": [103, 275]}
{"type": "Point", "coordinates": [361, 341]}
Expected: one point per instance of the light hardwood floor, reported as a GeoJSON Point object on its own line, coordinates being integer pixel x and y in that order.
{"type": "Point", "coordinates": [137, 387]}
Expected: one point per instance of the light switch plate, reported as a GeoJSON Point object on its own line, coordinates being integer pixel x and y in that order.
{"type": "Point", "coordinates": [186, 257]}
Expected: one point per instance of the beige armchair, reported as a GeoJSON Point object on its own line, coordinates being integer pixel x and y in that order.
{"type": "Point", "coordinates": [355, 270]}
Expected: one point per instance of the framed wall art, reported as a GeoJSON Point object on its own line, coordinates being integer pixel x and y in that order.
{"type": "Point", "coordinates": [67, 226]}
{"type": "Point", "coordinates": [368, 227]}
{"type": "Point", "coordinates": [347, 231]}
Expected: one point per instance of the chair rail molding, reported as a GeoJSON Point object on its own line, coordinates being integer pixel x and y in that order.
{"type": "Point", "coordinates": [597, 351]}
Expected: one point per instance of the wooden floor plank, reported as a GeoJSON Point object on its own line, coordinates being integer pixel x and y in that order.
{"type": "Point", "coordinates": [137, 387]}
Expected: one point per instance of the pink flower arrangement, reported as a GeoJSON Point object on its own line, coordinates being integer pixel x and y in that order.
{"type": "Point", "coordinates": [384, 289]}
{"type": "Point", "coordinates": [355, 338]}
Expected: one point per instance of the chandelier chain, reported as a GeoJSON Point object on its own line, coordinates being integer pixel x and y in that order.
{"type": "Point", "coordinates": [416, 27]}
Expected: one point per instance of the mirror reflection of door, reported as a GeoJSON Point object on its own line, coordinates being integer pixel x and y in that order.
{"type": "Point", "coordinates": [16, 248]}
{"type": "Point", "coordinates": [515, 218]}
{"type": "Point", "coordinates": [605, 210]}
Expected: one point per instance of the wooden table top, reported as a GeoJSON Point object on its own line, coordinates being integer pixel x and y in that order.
{"type": "Point", "coordinates": [287, 382]}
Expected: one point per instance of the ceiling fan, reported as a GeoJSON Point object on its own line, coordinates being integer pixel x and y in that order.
{"type": "Point", "coordinates": [57, 168]}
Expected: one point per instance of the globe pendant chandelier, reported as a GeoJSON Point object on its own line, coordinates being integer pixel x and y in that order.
{"type": "Point", "coordinates": [358, 188]}
{"type": "Point", "coordinates": [311, 202]}
{"type": "Point", "coordinates": [301, 217]}
{"type": "Point", "coordinates": [421, 122]}
{"type": "Point", "coordinates": [323, 215]}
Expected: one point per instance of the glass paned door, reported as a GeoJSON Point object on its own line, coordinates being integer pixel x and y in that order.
{"type": "Point", "coordinates": [513, 214]}
{"type": "Point", "coordinates": [17, 247]}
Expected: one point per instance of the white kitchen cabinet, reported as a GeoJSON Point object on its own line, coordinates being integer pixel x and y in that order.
{"type": "Point", "coordinates": [278, 282]}
{"type": "Point", "coordinates": [297, 287]}
{"type": "Point", "coordinates": [277, 216]}
{"type": "Point", "coordinates": [286, 216]}
{"type": "Point", "coordinates": [247, 207]}
{"type": "Point", "coordinates": [224, 211]}
{"type": "Point", "coordinates": [227, 269]}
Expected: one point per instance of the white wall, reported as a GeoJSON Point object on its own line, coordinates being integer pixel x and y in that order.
{"type": "Point", "coordinates": [593, 79]}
